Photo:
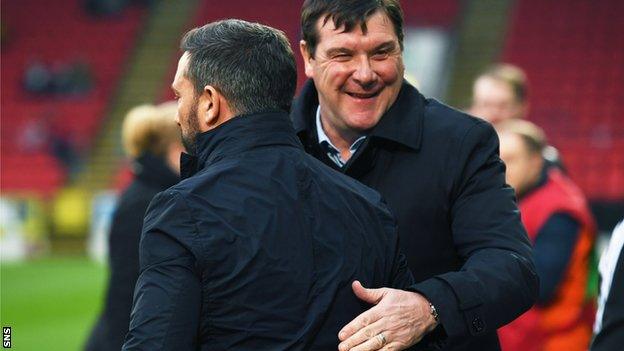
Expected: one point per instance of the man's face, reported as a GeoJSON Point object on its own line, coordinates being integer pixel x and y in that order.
{"type": "Point", "coordinates": [358, 76]}
{"type": "Point", "coordinates": [186, 117]}
{"type": "Point", "coordinates": [523, 167]}
{"type": "Point", "coordinates": [494, 101]}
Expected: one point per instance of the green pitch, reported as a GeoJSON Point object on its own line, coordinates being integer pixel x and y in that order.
{"type": "Point", "coordinates": [51, 304]}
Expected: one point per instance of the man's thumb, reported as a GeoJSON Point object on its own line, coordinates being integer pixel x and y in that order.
{"type": "Point", "coordinates": [372, 296]}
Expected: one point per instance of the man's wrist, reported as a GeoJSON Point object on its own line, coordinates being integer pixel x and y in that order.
{"type": "Point", "coordinates": [429, 313]}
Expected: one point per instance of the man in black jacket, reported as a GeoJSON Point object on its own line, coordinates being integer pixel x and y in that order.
{"type": "Point", "coordinates": [152, 139]}
{"type": "Point", "coordinates": [257, 248]}
{"type": "Point", "coordinates": [437, 168]}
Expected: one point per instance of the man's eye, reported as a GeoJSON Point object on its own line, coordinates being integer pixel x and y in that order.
{"type": "Point", "coordinates": [380, 55]}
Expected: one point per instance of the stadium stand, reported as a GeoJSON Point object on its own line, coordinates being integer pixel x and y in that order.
{"type": "Point", "coordinates": [34, 31]}
{"type": "Point", "coordinates": [574, 61]}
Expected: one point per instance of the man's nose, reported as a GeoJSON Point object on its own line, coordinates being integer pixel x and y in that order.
{"type": "Point", "coordinates": [364, 74]}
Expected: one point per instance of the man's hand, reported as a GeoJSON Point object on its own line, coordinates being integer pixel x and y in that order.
{"type": "Point", "coordinates": [401, 317]}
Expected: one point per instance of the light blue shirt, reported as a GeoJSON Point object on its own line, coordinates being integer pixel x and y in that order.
{"type": "Point", "coordinates": [331, 149]}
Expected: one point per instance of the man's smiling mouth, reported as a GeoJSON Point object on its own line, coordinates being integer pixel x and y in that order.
{"type": "Point", "coordinates": [363, 95]}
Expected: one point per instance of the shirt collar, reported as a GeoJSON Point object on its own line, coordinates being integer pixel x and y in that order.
{"type": "Point", "coordinates": [322, 137]}
{"type": "Point", "coordinates": [332, 150]}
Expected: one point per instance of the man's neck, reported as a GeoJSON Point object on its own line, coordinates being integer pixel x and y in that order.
{"type": "Point", "coordinates": [341, 138]}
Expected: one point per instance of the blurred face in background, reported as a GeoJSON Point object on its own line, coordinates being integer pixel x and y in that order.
{"type": "Point", "coordinates": [187, 117]}
{"type": "Point", "coordinates": [523, 167]}
{"type": "Point", "coordinates": [358, 76]}
{"type": "Point", "coordinates": [494, 101]}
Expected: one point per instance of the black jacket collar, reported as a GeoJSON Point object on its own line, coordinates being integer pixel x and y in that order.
{"type": "Point", "coordinates": [154, 171]}
{"type": "Point", "coordinates": [239, 134]}
{"type": "Point", "coordinates": [402, 123]}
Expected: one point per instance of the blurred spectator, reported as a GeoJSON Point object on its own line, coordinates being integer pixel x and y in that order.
{"type": "Point", "coordinates": [500, 94]}
{"type": "Point", "coordinates": [62, 146]}
{"type": "Point", "coordinates": [558, 222]}
{"type": "Point", "coordinates": [609, 326]}
{"type": "Point", "coordinates": [81, 77]}
{"type": "Point", "coordinates": [152, 139]}
{"type": "Point", "coordinates": [46, 134]}
{"type": "Point", "coordinates": [73, 78]}
{"type": "Point", "coordinates": [37, 78]}
{"type": "Point", "coordinates": [61, 78]}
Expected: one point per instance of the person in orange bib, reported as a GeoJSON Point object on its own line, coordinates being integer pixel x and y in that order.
{"type": "Point", "coordinates": [559, 224]}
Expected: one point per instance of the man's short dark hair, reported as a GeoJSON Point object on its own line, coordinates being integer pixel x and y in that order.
{"type": "Point", "coordinates": [348, 13]}
{"type": "Point", "coordinates": [251, 64]}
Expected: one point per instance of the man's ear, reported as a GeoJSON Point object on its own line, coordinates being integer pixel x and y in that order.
{"type": "Point", "coordinates": [211, 107]}
{"type": "Point", "coordinates": [307, 57]}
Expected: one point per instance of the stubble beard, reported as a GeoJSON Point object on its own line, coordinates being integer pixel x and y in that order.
{"type": "Point", "coordinates": [189, 138]}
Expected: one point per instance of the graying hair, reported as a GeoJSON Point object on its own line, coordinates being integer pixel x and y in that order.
{"type": "Point", "coordinates": [251, 64]}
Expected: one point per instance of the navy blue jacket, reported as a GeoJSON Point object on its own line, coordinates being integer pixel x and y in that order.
{"type": "Point", "coordinates": [440, 173]}
{"type": "Point", "coordinates": [257, 248]}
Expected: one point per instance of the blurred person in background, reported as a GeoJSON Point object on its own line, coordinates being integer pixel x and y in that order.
{"type": "Point", "coordinates": [257, 248]}
{"type": "Point", "coordinates": [609, 325]}
{"type": "Point", "coordinates": [500, 93]}
{"type": "Point", "coordinates": [437, 168]}
{"type": "Point", "coordinates": [152, 139]}
{"type": "Point", "coordinates": [561, 227]}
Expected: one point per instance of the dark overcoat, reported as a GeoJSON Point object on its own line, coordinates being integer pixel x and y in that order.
{"type": "Point", "coordinates": [459, 226]}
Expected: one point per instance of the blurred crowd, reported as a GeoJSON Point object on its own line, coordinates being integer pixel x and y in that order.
{"type": "Point", "coordinates": [554, 212]}
{"type": "Point", "coordinates": [62, 79]}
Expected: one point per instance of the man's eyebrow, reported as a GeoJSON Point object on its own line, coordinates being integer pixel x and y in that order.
{"type": "Point", "coordinates": [389, 45]}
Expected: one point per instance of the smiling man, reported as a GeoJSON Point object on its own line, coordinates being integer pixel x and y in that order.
{"type": "Point", "coordinates": [437, 168]}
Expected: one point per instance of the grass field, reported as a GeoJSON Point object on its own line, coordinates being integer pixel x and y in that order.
{"type": "Point", "coordinates": [51, 304]}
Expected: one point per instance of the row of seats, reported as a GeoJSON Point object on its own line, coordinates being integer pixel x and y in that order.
{"type": "Point", "coordinates": [56, 34]}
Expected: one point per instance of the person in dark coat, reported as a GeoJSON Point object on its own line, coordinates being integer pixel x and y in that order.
{"type": "Point", "coordinates": [437, 168]}
{"type": "Point", "coordinates": [258, 246]}
{"type": "Point", "coordinates": [152, 139]}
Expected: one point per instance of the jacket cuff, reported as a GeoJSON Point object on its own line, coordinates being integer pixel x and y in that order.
{"type": "Point", "coordinates": [455, 320]}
